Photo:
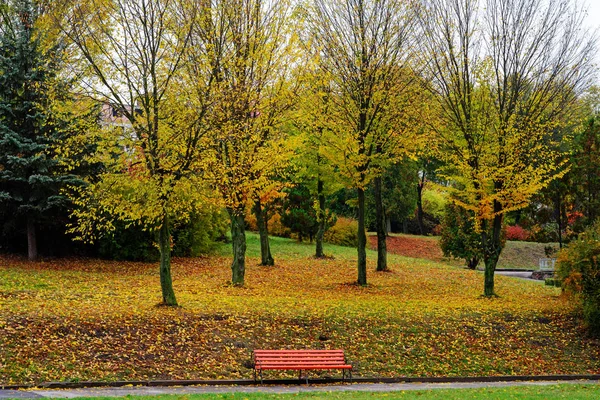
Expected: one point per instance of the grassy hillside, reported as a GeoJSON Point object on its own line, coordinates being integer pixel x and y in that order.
{"type": "Point", "coordinates": [517, 255]}
{"type": "Point", "coordinates": [97, 320]}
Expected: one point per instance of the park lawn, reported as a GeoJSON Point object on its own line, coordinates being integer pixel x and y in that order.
{"type": "Point", "coordinates": [88, 319]}
{"type": "Point", "coordinates": [565, 391]}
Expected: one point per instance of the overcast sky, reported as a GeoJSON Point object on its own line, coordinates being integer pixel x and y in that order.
{"type": "Point", "coordinates": [593, 7]}
{"type": "Point", "coordinates": [593, 21]}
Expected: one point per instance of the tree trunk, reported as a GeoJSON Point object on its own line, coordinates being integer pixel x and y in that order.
{"type": "Point", "coordinates": [263, 231]}
{"type": "Point", "coordinates": [380, 227]}
{"type": "Point", "coordinates": [32, 252]}
{"type": "Point", "coordinates": [558, 217]}
{"type": "Point", "coordinates": [164, 246]}
{"type": "Point", "coordinates": [420, 207]}
{"type": "Point", "coordinates": [472, 263]}
{"type": "Point", "coordinates": [362, 239]}
{"type": "Point", "coordinates": [321, 219]}
{"type": "Point", "coordinates": [492, 247]}
{"type": "Point", "coordinates": [238, 238]}
{"type": "Point", "coordinates": [490, 268]}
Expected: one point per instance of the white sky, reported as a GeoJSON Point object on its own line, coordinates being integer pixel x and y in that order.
{"type": "Point", "coordinates": [593, 17]}
{"type": "Point", "coordinates": [593, 7]}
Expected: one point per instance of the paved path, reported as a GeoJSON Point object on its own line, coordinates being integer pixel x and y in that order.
{"type": "Point", "coordinates": [156, 390]}
{"type": "Point", "coordinates": [518, 274]}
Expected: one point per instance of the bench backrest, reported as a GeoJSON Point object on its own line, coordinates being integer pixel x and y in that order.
{"type": "Point", "coordinates": [298, 357]}
{"type": "Point", "coordinates": [547, 264]}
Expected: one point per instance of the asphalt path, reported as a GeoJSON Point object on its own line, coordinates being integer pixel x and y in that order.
{"type": "Point", "coordinates": [518, 274]}
{"type": "Point", "coordinates": [292, 389]}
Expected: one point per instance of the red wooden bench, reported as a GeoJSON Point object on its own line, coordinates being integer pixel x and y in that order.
{"type": "Point", "coordinates": [300, 360]}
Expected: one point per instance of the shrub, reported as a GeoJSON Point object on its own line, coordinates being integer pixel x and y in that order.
{"type": "Point", "coordinates": [343, 233]}
{"type": "Point", "coordinates": [131, 243]}
{"type": "Point", "coordinates": [197, 236]}
{"type": "Point", "coordinates": [200, 234]}
{"type": "Point", "coordinates": [459, 239]}
{"type": "Point", "coordinates": [274, 225]}
{"type": "Point", "coordinates": [298, 212]}
{"type": "Point", "coordinates": [579, 271]}
{"type": "Point", "coordinates": [516, 232]}
{"type": "Point", "coordinates": [276, 228]}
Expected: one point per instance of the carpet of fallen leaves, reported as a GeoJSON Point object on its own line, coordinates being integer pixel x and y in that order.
{"type": "Point", "coordinates": [84, 319]}
{"type": "Point", "coordinates": [411, 246]}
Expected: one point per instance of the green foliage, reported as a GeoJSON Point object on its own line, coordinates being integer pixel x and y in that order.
{"type": "Point", "coordinates": [343, 203]}
{"type": "Point", "coordinates": [585, 174]}
{"type": "Point", "coordinates": [200, 235]}
{"type": "Point", "coordinates": [458, 236]}
{"type": "Point", "coordinates": [434, 203]}
{"type": "Point", "coordinates": [398, 191]}
{"type": "Point", "coordinates": [298, 213]}
{"type": "Point", "coordinates": [197, 236]}
{"type": "Point", "coordinates": [343, 233]}
{"type": "Point", "coordinates": [131, 243]}
{"type": "Point", "coordinates": [579, 270]}
{"type": "Point", "coordinates": [552, 282]}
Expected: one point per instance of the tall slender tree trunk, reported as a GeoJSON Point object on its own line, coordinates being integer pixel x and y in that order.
{"type": "Point", "coordinates": [362, 239]}
{"type": "Point", "coordinates": [420, 186]}
{"type": "Point", "coordinates": [321, 219]}
{"type": "Point", "coordinates": [263, 232]}
{"type": "Point", "coordinates": [238, 238]}
{"type": "Point", "coordinates": [558, 217]}
{"type": "Point", "coordinates": [380, 226]}
{"type": "Point", "coordinates": [491, 253]}
{"type": "Point", "coordinates": [164, 246]}
{"type": "Point", "coordinates": [32, 252]}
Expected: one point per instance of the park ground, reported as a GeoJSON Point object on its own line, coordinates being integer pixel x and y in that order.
{"type": "Point", "coordinates": [88, 319]}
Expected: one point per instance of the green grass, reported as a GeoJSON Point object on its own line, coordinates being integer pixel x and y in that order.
{"type": "Point", "coordinates": [564, 391]}
{"type": "Point", "coordinates": [289, 249]}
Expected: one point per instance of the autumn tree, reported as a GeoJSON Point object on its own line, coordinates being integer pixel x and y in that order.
{"type": "Point", "coordinates": [249, 46]}
{"type": "Point", "coordinates": [364, 47]}
{"type": "Point", "coordinates": [312, 127]}
{"type": "Point", "coordinates": [585, 175]}
{"type": "Point", "coordinates": [505, 74]}
{"type": "Point", "coordinates": [128, 55]}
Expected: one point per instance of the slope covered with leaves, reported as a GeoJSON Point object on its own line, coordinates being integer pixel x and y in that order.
{"type": "Point", "coordinates": [515, 255]}
{"type": "Point", "coordinates": [98, 320]}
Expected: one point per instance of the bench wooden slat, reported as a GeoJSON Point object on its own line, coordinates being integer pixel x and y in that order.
{"type": "Point", "coordinates": [266, 359]}
{"type": "Point", "coordinates": [292, 362]}
{"type": "Point", "coordinates": [300, 360]}
{"type": "Point", "coordinates": [308, 367]}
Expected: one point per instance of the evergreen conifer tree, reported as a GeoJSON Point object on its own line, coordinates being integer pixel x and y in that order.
{"type": "Point", "coordinates": [30, 180]}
